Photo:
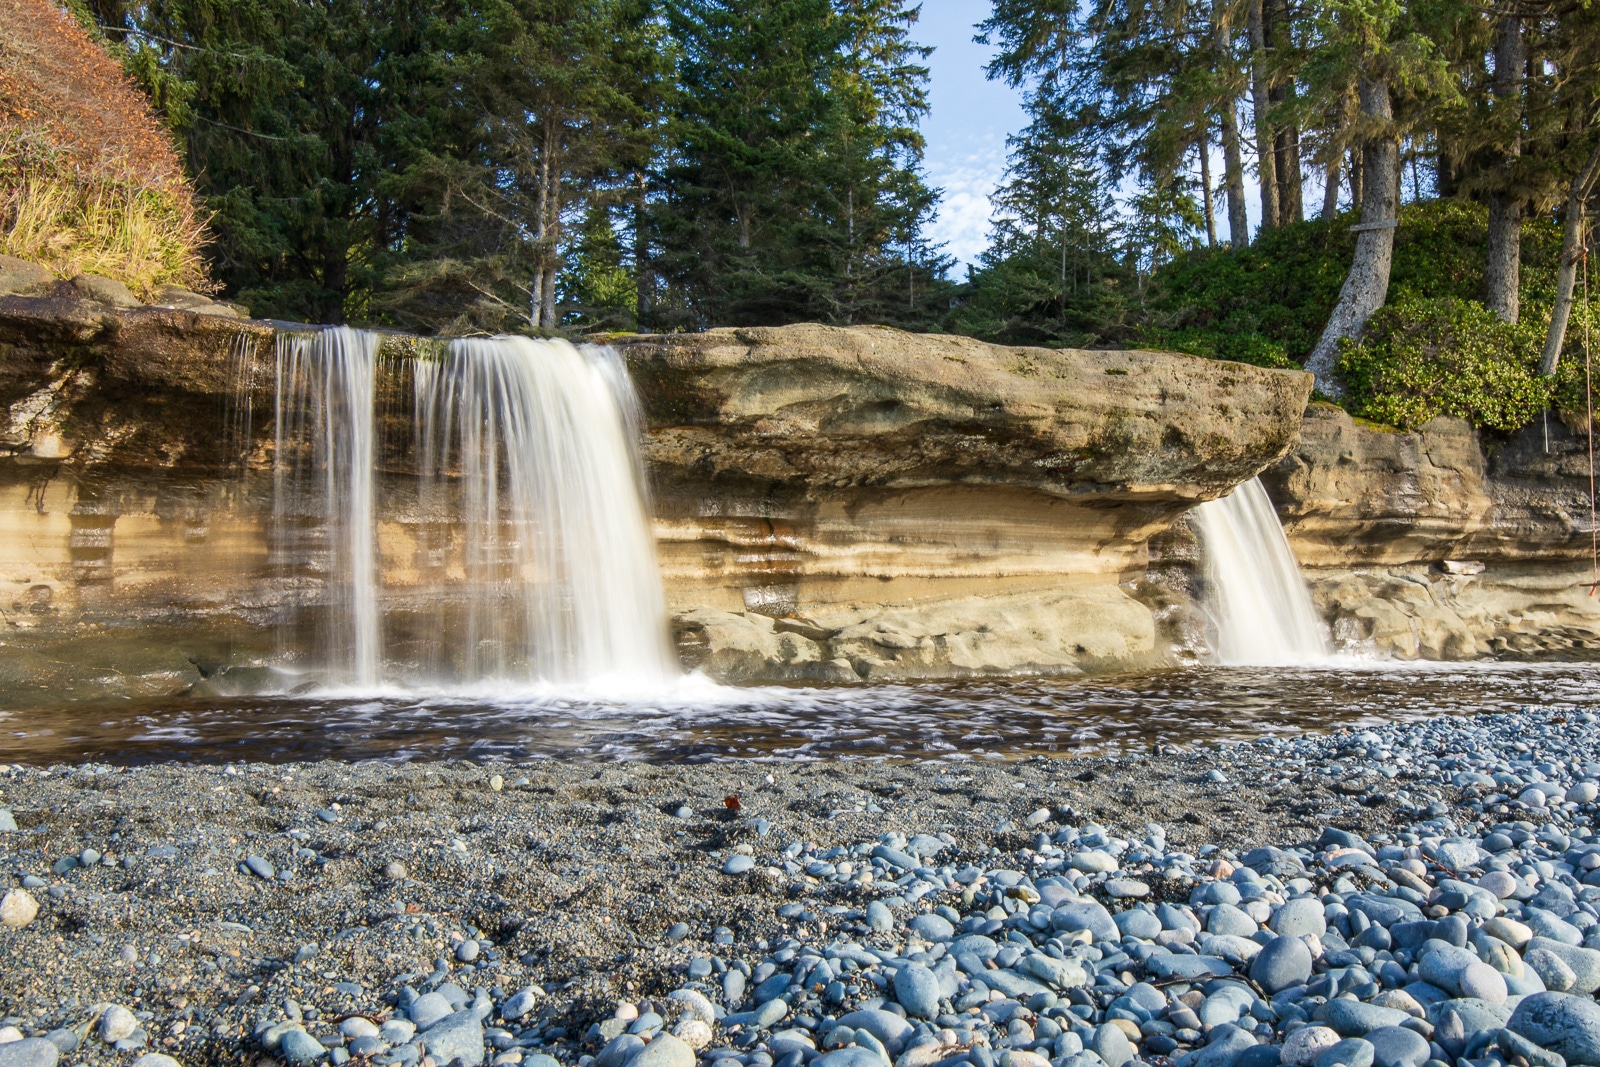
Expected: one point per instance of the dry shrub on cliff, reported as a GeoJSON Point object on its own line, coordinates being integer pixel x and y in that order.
{"type": "Point", "coordinates": [89, 179]}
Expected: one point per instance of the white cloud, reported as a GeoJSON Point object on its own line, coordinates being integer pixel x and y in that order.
{"type": "Point", "coordinates": [962, 224]}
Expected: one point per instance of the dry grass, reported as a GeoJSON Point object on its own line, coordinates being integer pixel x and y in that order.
{"type": "Point", "coordinates": [89, 178]}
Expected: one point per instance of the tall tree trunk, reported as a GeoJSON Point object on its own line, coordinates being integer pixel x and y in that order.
{"type": "Point", "coordinates": [1504, 270]}
{"type": "Point", "coordinates": [540, 237]}
{"type": "Point", "coordinates": [1367, 285]}
{"type": "Point", "coordinates": [1291, 195]}
{"type": "Point", "coordinates": [643, 281]}
{"type": "Point", "coordinates": [1266, 165]}
{"type": "Point", "coordinates": [1356, 200]}
{"type": "Point", "coordinates": [1232, 157]}
{"type": "Point", "coordinates": [1205, 182]}
{"type": "Point", "coordinates": [1567, 273]}
{"type": "Point", "coordinates": [551, 229]}
{"type": "Point", "coordinates": [1330, 190]}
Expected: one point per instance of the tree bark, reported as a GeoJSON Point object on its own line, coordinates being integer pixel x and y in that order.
{"type": "Point", "coordinates": [1330, 191]}
{"type": "Point", "coordinates": [1266, 165]}
{"type": "Point", "coordinates": [644, 289]}
{"type": "Point", "coordinates": [1355, 180]}
{"type": "Point", "coordinates": [1567, 273]}
{"type": "Point", "coordinates": [1232, 157]}
{"type": "Point", "coordinates": [1291, 195]}
{"type": "Point", "coordinates": [1205, 181]}
{"type": "Point", "coordinates": [1504, 269]}
{"type": "Point", "coordinates": [1367, 285]}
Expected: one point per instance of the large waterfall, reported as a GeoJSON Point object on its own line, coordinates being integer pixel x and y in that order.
{"type": "Point", "coordinates": [518, 506]}
{"type": "Point", "coordinates": [1254, 592]}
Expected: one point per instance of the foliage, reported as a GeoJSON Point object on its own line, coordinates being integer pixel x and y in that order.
{"type": "Point", "coordinates": [1423, 357]}
{"type": "Point", "coordinates": [89, 179]}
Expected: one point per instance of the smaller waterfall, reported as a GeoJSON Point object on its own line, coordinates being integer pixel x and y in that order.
{"type": "Point", "coordinates": [326, 386]}
{"type": "Point", "coordinates": [1255, 594]}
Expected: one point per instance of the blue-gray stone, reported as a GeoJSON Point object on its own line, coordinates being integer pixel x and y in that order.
{"type": "Point", "coordinates": [29, 1052]}
{"type": "Point", "coordinates": [1565, 1024]}
{"type": "Point", "coordinates": [1298, 916]}
{"type": "Point", "coordinates": [932, 927]}
{"type": "Point", "coordinates": [429, 1009]}
{"type": "Point", "coordinates": [458, 1036]}
{"type": "Point", "coordinates": [849, 1056]}
{"type": "Point", "coordinates": [917, 990]}
{"type": "Point", "coordinates": [259, 867]}
{"type": "Point", "coordinates": [665, 1051]}
{"type": "Point", "coordinates": [1352, 1018]}
{"type": "Point", "coordinates": [1229, 920]}
{"type": "Point", "coordinates": [1283, 962]}
{"type": "Point", "coordinates": [890, 1029]}
{"type": "Point", "coordinates": [1112, 1045]}
{"type": "Point", "coordinates": [517, 1005]}
{"type": "Point", "coordinates": [619, 1050]}
{"type": "Point", "coordinates": [879, 917]}
{"type": "Point", "coordinates": [1584, 962]}
{"type": "Point", "coordinates": [1225, 1045]}
{"type": "Point", "coordinates": [1085, 915]}
{"type": "Point", "coordinates": [1137, 922]}
{"type": "Point", "coordinates": [738, 863]}
{"type": "Point", "coordinates": [1351, 1052]}
{"type": "Point", "coordinates": [299, 1047]}
{"type": "Point", "coordinates": [1397, 1046]}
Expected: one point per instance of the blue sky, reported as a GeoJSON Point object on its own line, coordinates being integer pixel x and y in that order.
{"type": "Point", "coordinates": [966, 126]}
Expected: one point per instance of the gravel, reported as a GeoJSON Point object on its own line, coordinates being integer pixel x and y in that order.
{"type": "Point", "coordinates": [1417, 895]}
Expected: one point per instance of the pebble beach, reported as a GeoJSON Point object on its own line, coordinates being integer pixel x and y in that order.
{"type": "Point", "coordinates": [1415, 895]}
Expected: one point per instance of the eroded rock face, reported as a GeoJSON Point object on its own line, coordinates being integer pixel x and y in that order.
{"type": "Point", "coordinates": [1431, 545]}
{"type": "Point", "coordinates": [935, 506]}
{"type": "Point", "coordinates": [832, 505]}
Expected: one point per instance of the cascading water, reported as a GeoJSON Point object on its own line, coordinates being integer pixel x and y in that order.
{"type": "Point", "coordinates": [1254, 591]}
{"type": "Point", "coordinates": [525, 521]}
{"type": "Point", "coordinates": [324, 474]}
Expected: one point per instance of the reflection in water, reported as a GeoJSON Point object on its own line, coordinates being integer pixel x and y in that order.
{"type": "Point", "coordinates": [696, 721]}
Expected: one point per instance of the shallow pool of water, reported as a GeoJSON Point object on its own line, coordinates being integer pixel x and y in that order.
{"type": "Point", "coordinates": [695, 721]}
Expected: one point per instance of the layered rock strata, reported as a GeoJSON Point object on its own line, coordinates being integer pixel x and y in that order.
{"type": "Point", "coordinates": [832, 504]}
{"type": "Point", "coordinates": [1438, 544]}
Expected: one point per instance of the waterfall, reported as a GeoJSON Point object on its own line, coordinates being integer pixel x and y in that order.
{"type": "Point", "coordinates": [325, 436]}
{"type": "Point", "coordinates": [515, 504]}
{"type": "Point", "coordinates": [1254, 592]}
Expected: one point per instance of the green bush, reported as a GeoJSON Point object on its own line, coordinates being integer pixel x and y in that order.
{"type": "Point", "coordinates": [1446, 356]}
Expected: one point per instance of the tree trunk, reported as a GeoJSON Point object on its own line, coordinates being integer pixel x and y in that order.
{"type": "Point", "coordinates": [551, 228]}
{"type": "Point", "coordinates": [1567, 273]}
{"type": "Point", "coordinates": [541, 214]}
{"type": "Point", "coordinates": [1232, 158]}
{"type": "Point", "coordinates": [1330, 191]}
{"type": "Point", "coordinates": [1355, 180]}
{"type": "Point", "coordinates": [644, 289]}
{"type": "Point", "coordinates": [1266, 166]}
{"type": "Point", "coordinates": [1291, 196]}
{"type": "Point", "coordinates": [1205, 182]}
{"type": "Point", "coordinates": [1367, 285]}
{"type": "Point", "coordinates": [1504, 270]}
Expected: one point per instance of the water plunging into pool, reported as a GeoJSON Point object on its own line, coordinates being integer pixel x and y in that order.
{"type": "Point", "coordinates": [521, 510]}
{"type": "Point", "coordinates": [1254, 591]}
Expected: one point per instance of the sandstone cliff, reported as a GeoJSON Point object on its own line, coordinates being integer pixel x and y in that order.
{"type": "Point", "coordinates": [1439, 545]}
{"type": "Point", "coordinates": [832, 504]}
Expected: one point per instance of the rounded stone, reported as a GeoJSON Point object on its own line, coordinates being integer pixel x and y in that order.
{"type": "Point", "coordinates": [879, 917]}
{"type": "Point", "coordinates": [116, 1023]}
{"type": "Point", "coordinates": [931, 927]}
{"type": "Point", "coordinates": [1352, 1018]}
{"type": "Point", "coordinates": [917, 990]}
{"type": "Point", "coordinates": [1139, 923]}
{"type": "Point", "coordinates": [29, 1052]}
{"type": "Point", "coordinates": [1397, 1046]}
{"type": "Point", "coordinates": [155, 1059]}
{"type": "Point", "coordinates": [299, 1047]}
{"type": "Point", "coordinates": [1302, 1047]}
{"type": "Point", "coordinates": [1562, 1023]}
{"type": "Point", "coordinates": [1230, 920]}
{"type": "Point", "coordinates": [1351, 1052]}
{"type": "Point", "coordinates": [1482, 982]}
{"type": "Point", "coordinates": [693, 1032]}
{"type": "Point", "coordinates": [1112, 1045]}
{"type": "Point", "coordinates": [1298, 917]}
{"type": "Point", "coordinates": [738, 863]}
{"type": "Point", "coordinates": [18, 909]}
{"type": "Point", "coordinates": [1501, 883]}
{"type": "Point", "coordinates": [1283, 962]}
{"type": "Point", "coordinates": [1551, 969]}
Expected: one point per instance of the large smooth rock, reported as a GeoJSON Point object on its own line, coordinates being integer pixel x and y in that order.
{"type": "Point", "coordinates": [665, 1051]}
{"type": "Point", "coordinates": [29, 1052]}
{"type": "Point", "coordinates": [1085, 915]}
{"type": "Point", "coordinates": [1584, 962]}
{"type": "Point", "coordinates": [1297, 917]}
{"type": "Point", "coordinates": [1354, 1018]}
{"type": "Point", "coordinates": [1561, 1022]}
{"type": "Point", "coordinates": [917, 990]}
{"type": "Point", "coordinates": [1283, 962]}
{"type": "Point", "coordinates": [886, 1026]}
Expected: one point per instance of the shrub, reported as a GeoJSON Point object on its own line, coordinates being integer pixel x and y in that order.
{"type": "Point", "coordinates": [89, 179]}
{"type": "Point", "coordinates": [1423, 357]}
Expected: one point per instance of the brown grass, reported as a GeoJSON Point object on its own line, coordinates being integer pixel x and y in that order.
{"type": "Point", "coordinates": [90, 181]}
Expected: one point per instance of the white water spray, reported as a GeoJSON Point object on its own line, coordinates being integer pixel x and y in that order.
{"type": "Point", "coordinates": [529, 512]}
{"type": "Point", "coordinates": [1254, 591]}
{"type": "Point", "coordinates": [324, 433]}
{"type": "Point", "coordinates": [561, 582]}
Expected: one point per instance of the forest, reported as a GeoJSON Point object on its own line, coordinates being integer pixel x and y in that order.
{"type": "Point", "coordinates": [1389, 192]}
